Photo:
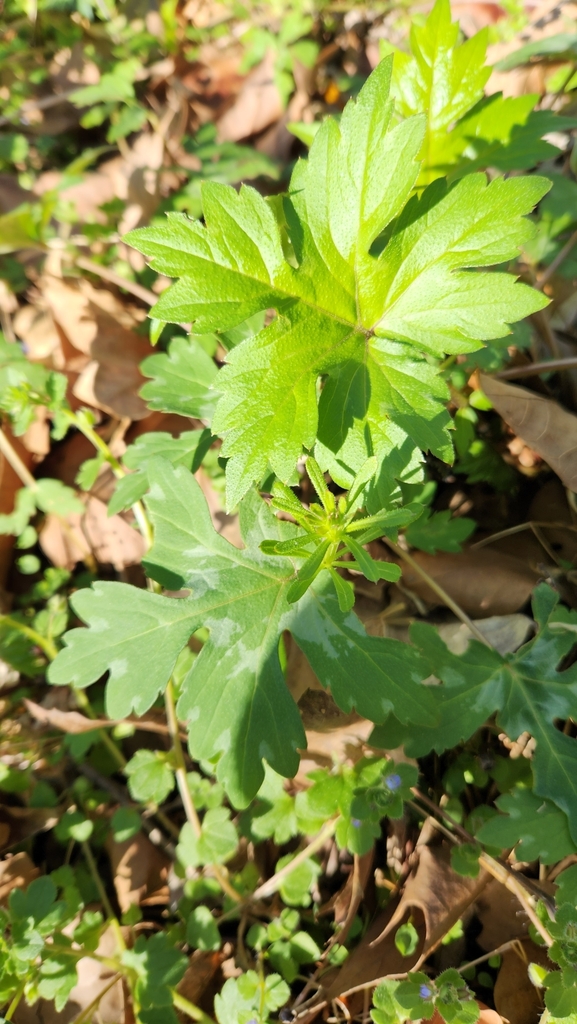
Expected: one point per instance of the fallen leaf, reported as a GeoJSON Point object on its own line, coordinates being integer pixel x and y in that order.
{"type": "Point", "coordinates": [140, 872]}
{"type": "Point", "coordinates": [506, 633]}
{"type": "Point", "coordinates": [541, 423]}
{"type": "Point", "coordinates": [16, 872]}
{"type": "Point", "coordinates": [483, 582]}
{"type": "Point", "coordinates": [516, 998]}
{"type": "Point", "coordinates": [439, 893]}
{"type": "Point", "coordinates": [500, 915]}
{"type": "Point", "coordinates": [203, 976]}
{"type": "Point", "coordinates": [111, 540]}
{"type": "Point", "coordinates": [101, 327]}
{"type": "Point", "coordinates": [257, 106]}
{"type": "Point", "coordinates": [10, 482]}
{"type": "Point", "coordinates": [20, 823]}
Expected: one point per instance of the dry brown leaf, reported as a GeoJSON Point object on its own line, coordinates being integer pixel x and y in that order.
{"type": "Point", "coordinates": [16, 872]}
{"type": "Point", "coordinates": [203, 976]}
{"type": "Point", "coordinates": [482, 582]}
{"type": "Point", "coordinates": [439, 893]}
{"type": "Point", "coordinates": [506, 633]}
{"type": "Point", "coordinates": [100, 326]}
{"type": "Point", "coordinates": [368, 962]}
{"type": "Point", "coordinates": [501, 916]}
{"type": "Point", "coordinates": [546, 19]}
{"type": "Point", "coordinates": [19, 823]}
{"type": "Point", "coordinates": [111, 540]}
{"type": "Point", "coordinates": [10, 483]}
{"type": "Point", "coordinates": [541, 423]}
{"type": "Point", "coordinates": [516, 998]}
{"type": "Point", "coordinates": [140, 872]}
{"type": "Point", "coordinates": [258, 105]}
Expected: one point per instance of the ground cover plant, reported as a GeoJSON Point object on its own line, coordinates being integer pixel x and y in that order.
{"type": "Point", "coordinates": [289, 613]}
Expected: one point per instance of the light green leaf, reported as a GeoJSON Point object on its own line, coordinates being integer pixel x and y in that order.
{"type": "Point", "coordinates": [181, 380]}
{"type": "Point", "coordinates": [201, 930]}
{"type": "Point", "coordinates": [216, 843]}
{"type": "Point", "coordinates": [382, 283]}
{"type": "Point", "coordinates": [150, 778]}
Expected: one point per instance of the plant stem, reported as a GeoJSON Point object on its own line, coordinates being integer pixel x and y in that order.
{"type": "Point", "coordinates": [49, 648]}
{"type": "Point", "coordinates": [84, 703]}
{"type": "Point", "coordinates": [114, 923]}
{"type": "Point", "coordinates": [185, 794]}
{"type": "Point", "coordinates": [273, 884]}
{"type": "Point", "coordinates": [533, 369]}
{"type": "Point", "coordinates": [12, 456]}
{"type": "Point", "coordinates": [138, 509]}
{"type": "Point", "coordinates": [17, 997]}
{"type": "Point", "coordinates": [556, 263]}
{"type": "Point", "coordinates": [438, 589]}
{"type": "Point", "coordinates": [86, 1016]}
{"type": "Point", "coordinates": [144, 294]}
{"type": "Point", "coordinates": [190, 1009]}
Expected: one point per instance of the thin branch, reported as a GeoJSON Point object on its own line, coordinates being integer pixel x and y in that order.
{"type": "Point", "coordinates": [273, 884]}
{"type": "Point", "coordinates": [86, 1016]}
{"type": "Point", "coordinates": [12, 456]}
{"type": "Point", "coordinates": [183, 788]}
{"type": "Point", "coordinates": [50, 649]}
{"type": "Point", "coordinates": [138, 290]}
{"type": "Point", "coordinates": [439, 591]}
{"type": "Point", "coordinates": [556, 263]}
{"type": "Point", "coordinates": [534, 369]}
{"type": "Point", "coordinates": [518, 529]}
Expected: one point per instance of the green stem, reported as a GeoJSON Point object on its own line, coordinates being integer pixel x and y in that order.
{"type": "Point", "coordinates": [273, 884]}
{"type": "Point", "coordinates": [17, 997]}
{"type": "Point", "coordinates": [87, 1014]}
{"type": "Point", "coordinates": [104, 896]}
{"type": "Point", "coordinates": [185, 794]}
{"type": "Point", "coordinates": [84, 703]}
{"type": "Point", "coordinates": [12, 456]}
{"type": "Point", "coordinates": [190, 1009]}
{"type": "Point", "coordinates": [85, 428]}
{"type": "Point", "coordinates": [50, 649]}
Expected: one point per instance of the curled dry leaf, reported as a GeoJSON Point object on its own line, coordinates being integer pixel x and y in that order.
{"type": "Point", "coordinates": [483, 582]}
{"type": "Point", "coordinates": [506, 633]}
{"type": "Point", "coordinates": [439, 893]}
{"type": "Point", "coordinates": [541, 423]}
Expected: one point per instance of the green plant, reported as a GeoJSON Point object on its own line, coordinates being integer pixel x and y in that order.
{"type": "Point", "coordinates": [330, 327]}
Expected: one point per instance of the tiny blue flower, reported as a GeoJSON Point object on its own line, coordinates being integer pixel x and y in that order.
{"type": "Point", "coordinates": [355, 823]}
{"type": "Point", "coordinates": [393, 782]}
{"type": "Point", "coordinates": [425, 992]}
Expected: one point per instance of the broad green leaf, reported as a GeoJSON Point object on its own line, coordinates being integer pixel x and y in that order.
{"type": "Point", "coordinates": [526, 690]}
{"type": "Point", "coordinates": [296, 887]}
{"type": "Point", "coordinates": [181, 380]}
{"type": "Point", "coordinates": [202, 930]}
{"type": "Point", "coordinates": [381, 287]}
{"type": "Point", "coordinates": [441, 77]}
{"type": "Point", "coordinates": [150, 778]}
{"type": "Point", "coordinates": [234, 697]}
{"type": "Point", "coordinates": [439, 531]}
{"type": "Point", "coordinates": [158, 967]}
{"type": "Point", "coordinates": [125, 823]}
{"type": "Point", "coordinates": [537, 825]}
{"type": "Point", "coordinates": [187, 450]}
{"type": "Point", "coordinates": [216, 843]}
